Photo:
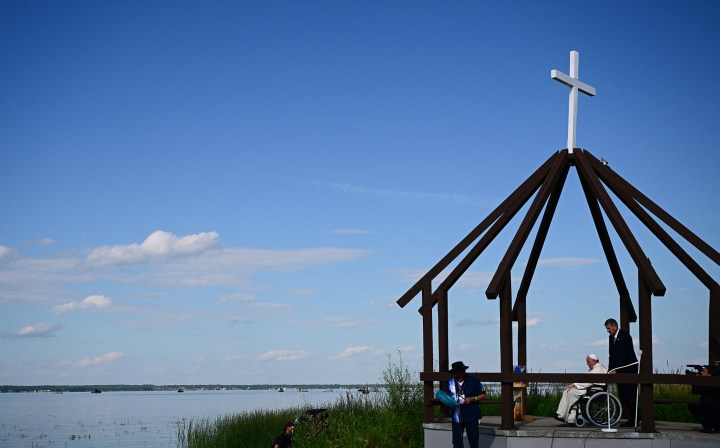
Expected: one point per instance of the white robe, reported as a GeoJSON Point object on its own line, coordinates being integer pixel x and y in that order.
{"type": "Point", "coordinates": [570, 396]}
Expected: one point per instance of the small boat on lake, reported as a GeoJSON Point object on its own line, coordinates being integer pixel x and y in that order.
{"type": "Point", "coordinates": [181, 390]}
{"type": "Point", "coordinates": [96, 391]}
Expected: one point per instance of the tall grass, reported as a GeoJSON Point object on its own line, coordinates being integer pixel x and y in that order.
{"type": "Point", "coordinates": [389, 418]}
{"type": "Point", "coordinates": [248, 429]}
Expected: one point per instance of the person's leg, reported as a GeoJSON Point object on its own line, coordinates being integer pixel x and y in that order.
{"type": "Point", "coordinates": [562, 410]}
{"type": "Point", "coordinates": [473, 434]}
{"type": "Point", "coordinates": [457, 433]}
{"type": "Point", "coordinates": [573, 396]}
{"type": "Point", "coordinates": [627, 393]}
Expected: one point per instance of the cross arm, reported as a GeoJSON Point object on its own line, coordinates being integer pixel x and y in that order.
{"type": "Point", "coordinates": [572, 82]}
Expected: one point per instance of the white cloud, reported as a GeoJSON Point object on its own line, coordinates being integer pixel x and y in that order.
{"type": "Point", "coordinates": [42, 280]}
{"type": "Point", "coordinates": [567, 261]}
{"type": "Point", "coordinates": [337, 322]}
{"type": "Point", "coordinates": [533, 322]}
{"type": "Point", "coordinates": [102, 359]}
{"type": "Point", "coordinates": [407, 348]}
{"type": "Point", "coordinates": [237, 298]}
{"type": "Point", "coordinates": [242, 320]}
{"type": "Point", "coordinates": [271, 306]}
{"type": "Point", "coordinates": [94, 301]}
{"type": "Point", "coordinates": [475, 280]}
{"type": "Point", "coordinates": [474, 321]}
{"type": "Point", "coordinates": [598, 343]}
{"type": "Point", "coordinates": [44, 242]}
{"type": "Point", "coordinates": [158, 244]}
{"type": "Point", "coordinates": [5, 252]}
{"type": "Point", "coordinates": [284, 355]}
{"type": "Point", "coordinates": [39, 330]}
{"type": "Point", "coordinates": [349, 232]}
{"type": "Point", "coordinates": [477, 322]}
{"type": "Point", "coordinates": [552, 347]}
{"type": "Point", "coordinates": [288, 260]}
{"type": "Point", "coordinates": [233, 266]}
{"type": "Point", "coordinates": [396, 194]}
{"type": "Point", "coordinates": [351, 352]}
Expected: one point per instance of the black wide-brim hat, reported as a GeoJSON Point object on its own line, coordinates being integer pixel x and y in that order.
{"type": "Point", "coordinates": [458, 367]}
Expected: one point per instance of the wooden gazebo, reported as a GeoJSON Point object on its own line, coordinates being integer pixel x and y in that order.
{"type": "Point", "coordinates": [546, 185]}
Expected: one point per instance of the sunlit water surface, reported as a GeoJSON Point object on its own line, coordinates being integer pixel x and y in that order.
{"type": "Point", "coordinates": [130, 419]}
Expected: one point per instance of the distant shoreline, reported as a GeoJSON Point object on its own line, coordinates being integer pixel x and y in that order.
{"type": "Point", "coordinates": [175, 387]}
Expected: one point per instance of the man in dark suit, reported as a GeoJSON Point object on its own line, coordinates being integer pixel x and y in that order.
{"type": "Point", "coordinates": [623, 360]}
{"type": "Point", "coordinates": [467, 391]}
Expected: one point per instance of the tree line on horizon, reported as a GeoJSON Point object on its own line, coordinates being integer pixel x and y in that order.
{"type": "Point", "coordinates": [175, 387]}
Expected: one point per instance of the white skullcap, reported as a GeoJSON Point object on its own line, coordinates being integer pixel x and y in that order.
{"type": "Point", "coordinates": [593, 356]}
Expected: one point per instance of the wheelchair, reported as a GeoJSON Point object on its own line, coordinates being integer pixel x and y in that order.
{"type": "Point", "coordinates": [596, 406]}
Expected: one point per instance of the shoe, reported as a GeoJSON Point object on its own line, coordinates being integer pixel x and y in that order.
{"type": "Point", "coordinates": [709, 430]}
{"type": "Point", "coordinates": [558, 418]}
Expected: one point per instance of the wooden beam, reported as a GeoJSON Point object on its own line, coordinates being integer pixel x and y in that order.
{"type": "Point", "coordinates": [539, 242]}
{"type": "Point", "coordinates": [512, 209]}
{"type": "Point", "coordinates": [633, 247]}
{"type": "Point", "coordinates": [493, 289]}
{"type": "Point", "coordinates": [530, 183]}
{"type": "Point", "coordinates": [658, 231]}
{"type": "Point", "coordinates": [626, 305]}
{"type": "Point", "coordinates": [605, 172]}
{"type": "Point", "coordinates": [565, 378]}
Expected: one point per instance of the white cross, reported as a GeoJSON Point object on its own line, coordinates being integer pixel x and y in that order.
{"type": "Point", "coordinates": [575, 85]}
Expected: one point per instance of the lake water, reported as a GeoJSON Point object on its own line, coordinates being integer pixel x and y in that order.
{"type": "Point", "coordinates": [131, 419]}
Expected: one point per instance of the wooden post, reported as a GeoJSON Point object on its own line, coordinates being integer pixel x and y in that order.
{"type": "Point", "coordinates": [443, 338]}
{"type": "Point", "coordinates": [714, 326]}
{"type": "Point", "coordinates": [646, 356]}
{"type": "Point", "coordinates": [522, 345]}
{"type": "Point", "coordinates": [506, 367]}
{"type": "Point", "coordinates": [428, 360]}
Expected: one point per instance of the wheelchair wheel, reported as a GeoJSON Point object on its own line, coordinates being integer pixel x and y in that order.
{"type": "Point", "coordinates": [597, 410]}
{"type": "Point", "coordinates": [579, 421]}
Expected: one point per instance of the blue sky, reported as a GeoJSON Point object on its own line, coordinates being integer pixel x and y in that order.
{"type": "Point", "coordinates": [238, 192]}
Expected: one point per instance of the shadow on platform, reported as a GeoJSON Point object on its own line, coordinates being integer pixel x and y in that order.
{"type": "Point", "coordinates": [545, 432]}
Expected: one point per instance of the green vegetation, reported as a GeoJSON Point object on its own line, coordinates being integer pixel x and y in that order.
{"type": "Point", "coordinates": [543, 400]}
{"type": "Point", "coordinates": [389, 418]}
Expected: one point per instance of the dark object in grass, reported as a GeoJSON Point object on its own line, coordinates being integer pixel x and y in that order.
{"type": "Point", "coordinates": [316, 415]}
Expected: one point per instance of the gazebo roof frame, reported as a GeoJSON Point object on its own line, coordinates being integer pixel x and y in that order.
{"type": "Point", "coordinates": [546, 184]}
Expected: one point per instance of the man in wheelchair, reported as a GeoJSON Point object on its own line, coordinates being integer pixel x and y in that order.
{"type": "Point", "coordinates": [566, 412]}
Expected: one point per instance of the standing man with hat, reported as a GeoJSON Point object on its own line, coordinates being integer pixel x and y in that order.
{"type": "Point", "coordinates": [468, 391]}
